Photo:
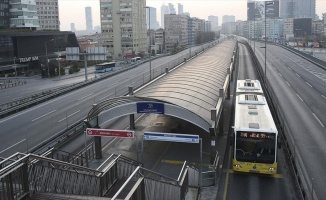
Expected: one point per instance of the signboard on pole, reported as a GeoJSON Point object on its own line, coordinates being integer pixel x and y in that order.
{"type": "Point", "coordinates": [171, 137]}
{"type": "Point", "coordinates": [110, 133]}
{"type": "Point", "coordinates": [150, 107]}
{"type": "Point", "coordinates": [96, 53]}
{"type": "Point", "coordinates": [72, 53]}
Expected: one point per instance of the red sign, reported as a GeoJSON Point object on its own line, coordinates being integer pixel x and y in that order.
{"type": "Point", "coordinates": [110, 133]}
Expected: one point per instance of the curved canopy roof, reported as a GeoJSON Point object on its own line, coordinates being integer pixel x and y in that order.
{"type": "Point", "coordinates": [189, 92]}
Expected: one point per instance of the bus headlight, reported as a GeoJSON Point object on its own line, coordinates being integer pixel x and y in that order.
{"type": "Point", "coordinates": [272, 169]}
{"type": "Point", "coordinates": [237, 166]}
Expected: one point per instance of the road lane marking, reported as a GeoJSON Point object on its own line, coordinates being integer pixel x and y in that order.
{"type": "Point", "coordinates": [69, 116]}
{"type": "Point", "coordinates": [12, 146]}
{"type": "Point", "coordinates": [323, 96]}
{"type": "Point", "coordinates": [85, 96]}
{"type": "Point", "coordinates": [299, 97]}
{"type": "Point", "coordinates": [114, 84]}
{"type": "Point", "coordinates": [106, 96]}
{"type": "Point", "coordinates": [227, 176]}
{"type": "Point", "coordinates": [43, 115]}
{"type": "Point", "coordinates": [298, 75]}
{"type": "Point", "coordinates": [318, 120]}
{"type": "Point", "coordinates": [280, 74]}
{"type": "Point", "coordinates": [309, 84]}
{"type": "Point", "coordinates": [288, 83]}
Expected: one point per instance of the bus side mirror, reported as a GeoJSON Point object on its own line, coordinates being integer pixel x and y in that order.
{"type": "Point", "coordinates": [231, 141]}
{"type": "Point", "coordinates": [279, 144]}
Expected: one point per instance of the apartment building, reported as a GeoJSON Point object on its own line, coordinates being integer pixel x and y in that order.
{"type": "Point", "coordinates": [159, 40]}
{"type": "Point", "coordinates": [123, 26]}
{"type": "Point", "coordinates": [214, 22]}
{"type": "Point", "coordinates": [274, 29]}
{"type": "Point", "coordinates": [48, 14]}
{"type": "Point", "coordinates": [176, 31]}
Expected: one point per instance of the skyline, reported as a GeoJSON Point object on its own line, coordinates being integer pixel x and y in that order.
{"type": "Point", "coordinates": [70, 13]}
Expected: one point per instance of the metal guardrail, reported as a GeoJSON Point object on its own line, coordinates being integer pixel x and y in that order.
{"type": "Point", "coordinates": [312, 59]}
{"type": "Point", "coordinates": [302, 177]}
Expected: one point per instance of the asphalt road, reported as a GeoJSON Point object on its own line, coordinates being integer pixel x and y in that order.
{"type": "Point", "coordinates": [28, 128]}
{"type": "Point", "coordinates": [254, 186]}
{"type": "Point", "coordinates": [300, 88]}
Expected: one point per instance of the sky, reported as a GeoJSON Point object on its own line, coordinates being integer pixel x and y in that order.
{"type": "Point", "coordinates": [73, 11]}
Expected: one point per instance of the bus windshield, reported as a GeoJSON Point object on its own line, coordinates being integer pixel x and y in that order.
{"type": "Point", "coordinates": [255, 147]}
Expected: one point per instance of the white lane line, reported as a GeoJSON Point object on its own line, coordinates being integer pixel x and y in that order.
{"type": "Point", "coordinates": [280, 74]}
{"type": "Point", "coordinates": [299, 97]}
{"type": "Point", "coordinates": [298, 75]}
{"type": "Point", "coordinates": [309, 84]}
{"type": "Point", "coordinates": [85, 96]}
{"type": "Point", "coordinates": [323, 96]}
{"type": "Point", "coordinates": [114, 84]}
{"type": "Point", "coordinates": [43, 115]}
{"type": "Point", "coordinates": [69, 116]}
{"type": "Point", "coordinates": [288, 83]}
{"type": "Point", "coordinates": [12, 146]}
{"type": "Point", "coordinates": [318, 120]}
{"type": "Point", "coordinates": [106, 96]}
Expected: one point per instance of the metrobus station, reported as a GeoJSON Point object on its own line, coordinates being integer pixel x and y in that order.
{"type": "Point", "coordinates": [193, 91]}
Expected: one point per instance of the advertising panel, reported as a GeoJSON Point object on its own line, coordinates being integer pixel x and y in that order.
{"type": "Point", "coordinates": [256, 10]}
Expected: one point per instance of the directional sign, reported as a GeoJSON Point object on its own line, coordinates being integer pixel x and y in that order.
{"type": "Point", "coordinates": [171, 137]}
{"type": "Point", "coordinates": [110, 133]}
{"type": "Point", "coordinates": [150, 107]}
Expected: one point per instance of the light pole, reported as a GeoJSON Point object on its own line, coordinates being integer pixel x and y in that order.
{"type": "Point", "coordinates": [59, 65]}
{"type": "Point", "coordinates": [255, 33]}
{"type": "Point", "coordinates": [15, 67]}
{"type": "Point", "coordinates": [150, 47]}
{"type": "Point", "coordinates": [46, 54]}
{"type": "Point", "coordinates": [266, 4]}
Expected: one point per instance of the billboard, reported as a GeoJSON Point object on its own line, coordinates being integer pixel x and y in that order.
{"type": "Point", "coordinates": [256, 10]}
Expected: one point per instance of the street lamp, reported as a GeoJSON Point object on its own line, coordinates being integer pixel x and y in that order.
{"type": "Point", "coordinates": [150, 46]}
{"type": "Point", "coordinates": [266, 4]}
{"type": "Point", "coordinates": [46, 54]}
{"type": "Point", "coordinates": [59, 65]}
{"type": "Point", "coordinates": [255, 32]}
{"type": "Point", "coordinates": [15, 67]}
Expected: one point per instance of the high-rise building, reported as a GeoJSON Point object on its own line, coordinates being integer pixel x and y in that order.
{"type": "Point", "coordinates": [164, 11]}
{"type": "Point", "coordinates": [297, 8]}
{"type": "Point", "coordinates": [123, 25]}
{"type": "Point", "coordinates": [4, 16]}
{"type": "Point", "coordinates": [228, 18]}
{"type": "Point", "coordinates": [19, 19]}
{"type": "Point", "coordinates": [89, 19]}
{"type": "Point", "coordinates": [214, 22]}
{"type": "Point", "coordinates": [48, 14]}
{"type": "Point", "coordinates": [171, 9]}
{"type": "Point", "coordinates": [180, 8]}
{"type": "Point", "coordinates": [151, 18]}
{"type": "Point", "coordinates": [72, 27]}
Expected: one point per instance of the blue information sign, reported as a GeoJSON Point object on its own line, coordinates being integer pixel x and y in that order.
{"type": "Point", "coordinates": [150, 107]}
{"type": "Point", "coordinates": [171, 137]}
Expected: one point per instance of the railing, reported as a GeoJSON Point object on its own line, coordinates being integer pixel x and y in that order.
{"type": "Point", "coordinates": [210, 178]}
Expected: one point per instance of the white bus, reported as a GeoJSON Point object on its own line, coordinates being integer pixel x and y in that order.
{"type": "Point", "coordinates": [249, 86]}
{"type": "Point", "coordinates": [255, 136]}
{"type": "Point", "coordinates": [135, 60]}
